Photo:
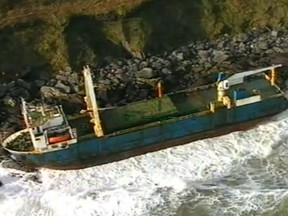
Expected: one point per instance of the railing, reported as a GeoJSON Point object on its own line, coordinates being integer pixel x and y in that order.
{"type": "Point", "coordinates": [13, 136]}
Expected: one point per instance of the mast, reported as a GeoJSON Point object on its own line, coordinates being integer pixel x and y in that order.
{"type": "Point", "coordinates": [25, 112]}
{"type": "Point", "coordinates": [91, 102]}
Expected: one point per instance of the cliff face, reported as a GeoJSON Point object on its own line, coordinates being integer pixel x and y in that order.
{"type": "Point", "coordinates": [74, 32]}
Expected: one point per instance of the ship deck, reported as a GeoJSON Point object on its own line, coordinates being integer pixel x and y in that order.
{"type": "Point", "coordinates": [174, 105]}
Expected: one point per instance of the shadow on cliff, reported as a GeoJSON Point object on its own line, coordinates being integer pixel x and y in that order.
{"type": "Point", "coordinates": [17, 53]}
{"type": "Point", "coordinates": [87, 43]}
{"type": "Point", "coordinates": [171, 22]}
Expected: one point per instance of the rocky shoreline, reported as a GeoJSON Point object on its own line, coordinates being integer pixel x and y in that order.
{"type": "Point", "coordinates": [121, 81]}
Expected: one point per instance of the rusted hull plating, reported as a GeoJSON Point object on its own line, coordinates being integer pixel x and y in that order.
{"type": "Point", "coordinates": [106, 149]}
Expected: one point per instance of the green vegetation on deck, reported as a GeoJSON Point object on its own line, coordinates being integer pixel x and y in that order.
{"type": "Point", "coordinates": [138, 113]}
{"type": "Point", "coordinates": [175, 105]}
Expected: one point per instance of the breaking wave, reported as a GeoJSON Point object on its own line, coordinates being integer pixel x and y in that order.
{"type": "Point", "coordinates": [241, 173]}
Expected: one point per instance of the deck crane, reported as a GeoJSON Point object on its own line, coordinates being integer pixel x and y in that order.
{"type": "Point", "coordinates": [224, 84]}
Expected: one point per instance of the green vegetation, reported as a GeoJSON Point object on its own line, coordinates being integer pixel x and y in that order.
{"type": "Point", "coordinates": [58, 33]}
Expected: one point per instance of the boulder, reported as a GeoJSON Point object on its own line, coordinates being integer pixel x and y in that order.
{"type": "Point", "coordinates": [263, 45]}
{"type": "Point", "coordinates": [64, 88]}
{"type": "Point", "coordinates": [145, 73]}
{"type": "Point", "coordinates": [166, 71]}
{"type": "Point", "coordinates": [204, 54]}
{"type": "Point", "coordinates": [9, 101]}
{"type": "Point", "coordinates": [50, 92]}
{"type": "Point", "coordinates": [219, 56]}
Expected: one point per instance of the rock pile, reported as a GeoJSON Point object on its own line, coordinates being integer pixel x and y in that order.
{"type": "Point", "coordinates": [124, 80]}
{"type": "Point", "coordinates": [120, 81]}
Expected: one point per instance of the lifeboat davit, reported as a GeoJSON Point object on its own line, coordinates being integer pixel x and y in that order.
{"type": "Point", "coordinates": [60, 138]}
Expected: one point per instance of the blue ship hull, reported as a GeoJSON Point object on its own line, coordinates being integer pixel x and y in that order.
{"type": "Point", "coordinates": [88, 151]}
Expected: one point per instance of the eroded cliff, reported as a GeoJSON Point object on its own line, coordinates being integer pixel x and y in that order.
{"type": "Point", "coordinates": [72, 33]}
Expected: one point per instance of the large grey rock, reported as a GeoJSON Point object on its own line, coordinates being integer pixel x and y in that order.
{"type": "Point", "coordinates": [119, 71]}
{"type": "Point", "coordinates": [241, 37]}
{"type": "Point", "coordinates": [73, 78]}
{"type": "Point", "coordinates": [68, 70]}
{"type": "Point", "coordinates": [143, 64]}
{"type": "Point", "coordinates": [204, 54]}
{"type": "Point", "coordinates": [278, 50]}
{"type": "Point", "coordinates": [180, 56]}
{"type": "Point", "coordinates": [66, 89]}
{"type": "Point", "coordinates": [274, 33]}
{"type": "Point", "coordinates": [61, 77]}
{"type": "Point", "coordinates": [219, 56]}
{"type": "Point", "coordinates": [145, 73]}
{"type": "Point", "coordinates": [51, 82]}
{"type": "Point", "coordinates": [157, 65]}
{"type": "Point", "coordinates": [50, 92]}
{"type": "Point", "coordinates": [9, 101]}
{"type": "Point", "coordinates": [263, 45]}
{"type": "Point", "coordinates": [166, 71]}
{"type": "Point", "coordinates": [105, 81]}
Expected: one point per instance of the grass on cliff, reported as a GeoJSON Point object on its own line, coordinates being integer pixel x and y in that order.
{"type": "Point", "coordinates": [74, 32]}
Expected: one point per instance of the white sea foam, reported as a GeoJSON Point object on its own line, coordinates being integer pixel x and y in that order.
{"type": "Point", "coordinates": [157, 183]}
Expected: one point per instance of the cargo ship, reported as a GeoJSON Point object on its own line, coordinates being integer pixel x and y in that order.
{"type": "Point", "coordinates": [54, 140]}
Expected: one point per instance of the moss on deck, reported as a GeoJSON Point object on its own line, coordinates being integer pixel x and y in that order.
{"type": "Point", "coordinates": [176, 104]}
{"type": "Point", "coordinates": [138, 113]}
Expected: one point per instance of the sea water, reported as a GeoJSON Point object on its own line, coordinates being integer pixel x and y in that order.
{"type": "Point", "coordinates": [242, 173]}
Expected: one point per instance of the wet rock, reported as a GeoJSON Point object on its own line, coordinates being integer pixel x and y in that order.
{"type": "Point", "coordinates": [10, 164]}
{"type": "Point", "coordinates": [34, 178]}
{"type": "Point", "coordinates": [145, 73]}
